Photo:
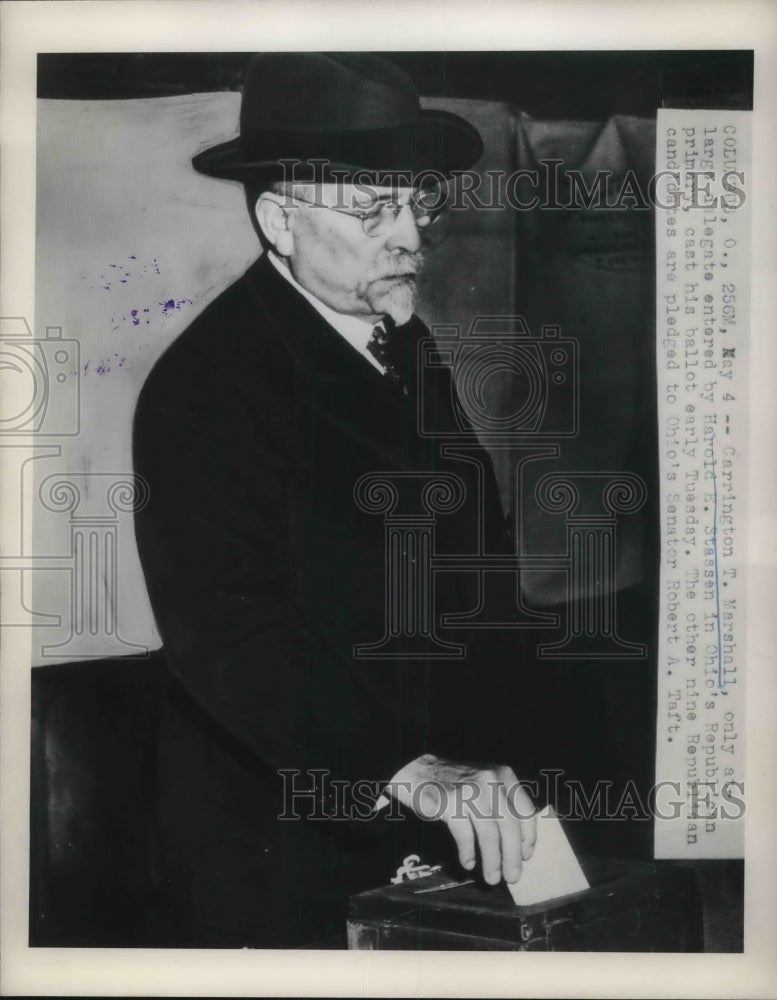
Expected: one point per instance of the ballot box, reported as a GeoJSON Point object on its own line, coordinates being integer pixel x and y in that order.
{"type": "Point", "coordinates": [630, 906]}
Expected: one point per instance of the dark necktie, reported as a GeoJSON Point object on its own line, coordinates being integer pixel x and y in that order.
{"type": "Point", "coordinates": [379, 347]}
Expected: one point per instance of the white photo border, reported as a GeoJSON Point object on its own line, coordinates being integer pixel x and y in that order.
{"type": "Point", "coordinates": [242, 25]}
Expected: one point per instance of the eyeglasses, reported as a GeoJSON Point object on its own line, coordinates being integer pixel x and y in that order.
{"type": "Point", "coordinates": [426, 205]}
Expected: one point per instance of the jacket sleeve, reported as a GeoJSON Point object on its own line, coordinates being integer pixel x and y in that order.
{"type": "Point", "coordinates": [215, 545]}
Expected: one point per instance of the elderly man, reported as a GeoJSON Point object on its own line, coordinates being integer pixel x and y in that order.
{"type": "Point", "coordinates": [285, 752]}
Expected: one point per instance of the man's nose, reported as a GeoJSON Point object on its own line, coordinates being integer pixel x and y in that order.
{"type": "Point", "coordinates": [404, 234]}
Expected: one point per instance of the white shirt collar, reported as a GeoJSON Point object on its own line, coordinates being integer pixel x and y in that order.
{"type": "Point", "coordinates": [356, 331]}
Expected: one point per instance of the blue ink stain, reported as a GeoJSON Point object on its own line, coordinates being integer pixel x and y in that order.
{"type": "Point", "coordinates": [151, 267]}
{"type": "Point", "coordinates": [103, 367]}
{"type": "Point", "coordinates": [167, 307]}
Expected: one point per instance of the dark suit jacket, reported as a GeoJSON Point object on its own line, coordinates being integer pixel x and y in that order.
{"type": "Point", "coordinates": [263, 572]}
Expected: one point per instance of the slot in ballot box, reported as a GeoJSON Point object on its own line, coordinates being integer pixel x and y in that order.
{"type": "Point", "coordinates": [631, 906]}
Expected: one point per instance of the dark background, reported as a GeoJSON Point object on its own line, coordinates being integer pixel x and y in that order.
{"type": "Point", "coordinates": [545, 84]}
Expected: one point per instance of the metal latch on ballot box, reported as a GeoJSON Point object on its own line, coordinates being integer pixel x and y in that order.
{"type": "Point", "coordinates": [411, 868]}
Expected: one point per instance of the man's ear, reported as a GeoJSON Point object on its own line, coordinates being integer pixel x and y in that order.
{"type": "Point", "coordinates": [273, 220]}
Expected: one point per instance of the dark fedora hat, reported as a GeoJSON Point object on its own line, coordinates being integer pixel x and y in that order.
{"type": "Point", "coordinates": [358, 112]}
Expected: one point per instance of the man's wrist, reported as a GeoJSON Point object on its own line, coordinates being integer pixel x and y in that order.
{"type": "Point", "coordinates": [401, 785]}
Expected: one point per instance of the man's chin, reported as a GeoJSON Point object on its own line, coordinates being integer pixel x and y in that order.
{"type": "Point", "coordinates": [398, 302]}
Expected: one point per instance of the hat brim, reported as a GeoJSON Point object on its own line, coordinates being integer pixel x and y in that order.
{"type": "Point", "coordinates": [438, 142]}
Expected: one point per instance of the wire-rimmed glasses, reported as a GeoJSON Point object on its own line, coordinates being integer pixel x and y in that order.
{"type": "Point", "coordinates": [427, 206]}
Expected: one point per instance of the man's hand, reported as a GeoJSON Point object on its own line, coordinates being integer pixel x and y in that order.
{"type": "Point", "coordinates": [480, 803]}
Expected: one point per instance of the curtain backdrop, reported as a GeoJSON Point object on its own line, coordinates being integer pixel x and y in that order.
{"type": "Point", "coordinates": [132, 244]}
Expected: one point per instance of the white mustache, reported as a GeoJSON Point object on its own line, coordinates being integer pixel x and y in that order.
{"type": "Point", "coordinates": [408, 266]}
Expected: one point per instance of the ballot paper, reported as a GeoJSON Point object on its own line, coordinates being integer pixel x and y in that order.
{"type": "Point", "coordinates": [553, 870]}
